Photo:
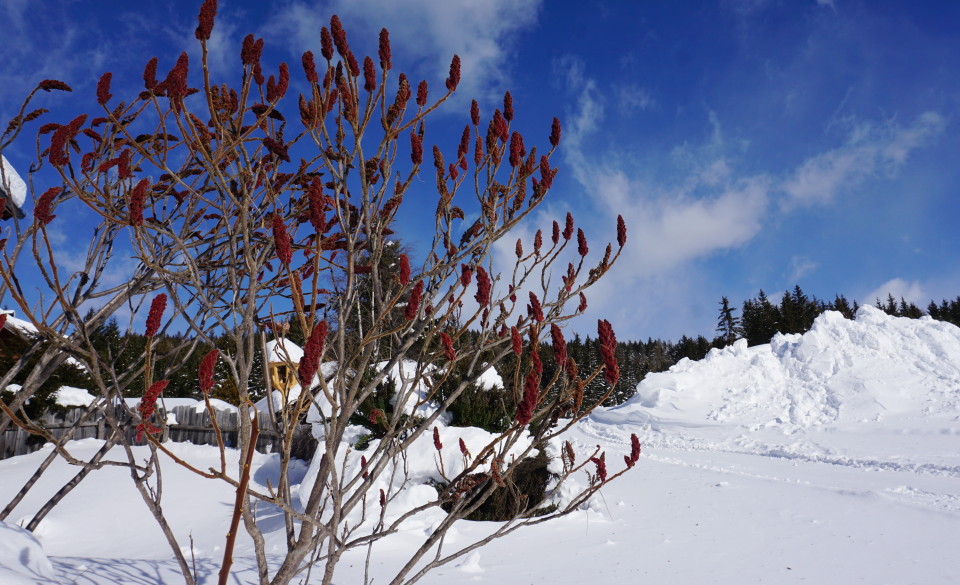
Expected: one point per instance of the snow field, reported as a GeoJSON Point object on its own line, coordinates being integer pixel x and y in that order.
{"type": "Point", "coordinates": [831, 457]}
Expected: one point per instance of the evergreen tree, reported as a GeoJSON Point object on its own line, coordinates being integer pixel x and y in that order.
{"type": "Point", "coordinates": [761, 320]}
{"type": "Point", "coordinates": [842, 305]}
{"type": "Point", "coordinates": [909, 310]}
{"type": "Point", "coordinates": [890, 307]}
{"type": "Point", "coordinates": [728, 325]}
{"type": "Point", "coordinates": [948, 311]}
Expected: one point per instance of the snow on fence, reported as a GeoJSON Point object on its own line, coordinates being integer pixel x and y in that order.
{"type": "Point", "coordinates": [187, 424]}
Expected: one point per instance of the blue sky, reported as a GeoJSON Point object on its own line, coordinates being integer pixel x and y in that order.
{"type": "Point", "coordinates": [749, 143]}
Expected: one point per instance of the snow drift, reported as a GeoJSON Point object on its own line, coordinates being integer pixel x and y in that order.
{"type": "Point", "coordinates": [872, 369]}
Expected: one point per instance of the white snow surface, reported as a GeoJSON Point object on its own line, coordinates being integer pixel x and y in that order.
{"type": "Point", "coordinates": [876, 369]}
{"type": "Point", "coordinates": [831, 457]}
{"type": "Point", "coordinates": [24, 326]}
{"type": "Point", "coordinates": [198, 405]}
{"type": "Point", "coordinates": [70, 396]}
{"type": "Point", "coordinates": [284, 350]}
{"type": "Point", "coordinates": [490, 379]}
{"type": "Point", "coordinates": [13, 183]}
{"type": "Point", "coordinates": [22, 560]}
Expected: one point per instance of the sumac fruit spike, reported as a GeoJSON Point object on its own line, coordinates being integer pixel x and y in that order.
{"type": "Point", "coordinates": [281, 240]}
{"type": "Point", "coordinates": [155, 315]}
{"type": "Point", "coordinates": [208, 11]}
{"type": "Point", "coordinates": [384, 50]}
{"type": "Point", "coordinates": [41, 212]}
{"type": "Point", "coordinates": [454, 79]}
{"type": "Point", "coordinates": [205, 372]}
{"type": "Point", "coordinates": [103, 88]}
{"type": "Point", "coordinates": [404, 272]}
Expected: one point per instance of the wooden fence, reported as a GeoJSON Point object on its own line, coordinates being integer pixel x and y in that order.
{"type": "Point", "coordinates": [192, 426]}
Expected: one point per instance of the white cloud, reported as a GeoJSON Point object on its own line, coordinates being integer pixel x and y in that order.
{"type": "Point", "coordinates": [223, 47]}
{"type": "Point", "coordinates": [430, 32]}
{"type": "Point", "coordinates": [675, 229]}
{"type": "Point", "coordinates": [707, 205]}
{"type": "Point", "coordinates": [709, 210]}
{"type": "Point", "coordinates": [633, 98]}
{"type": "Point", "coordinates": [912, 292]}
{"type": "Point", "coordinates": [870, 151]}
{"type": "Point", "coordinates": [801, 266]}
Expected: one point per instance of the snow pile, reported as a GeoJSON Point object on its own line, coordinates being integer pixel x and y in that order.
{"type": "Point", "coordinates": [409, 483]}
{"type": "Point", "coordinates": [22, 560]}
{"type": "Point", "coordinates": [875, 368]}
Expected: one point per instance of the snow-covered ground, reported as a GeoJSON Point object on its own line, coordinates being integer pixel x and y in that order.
{"type": "Point", "coordinates": [828, 458]}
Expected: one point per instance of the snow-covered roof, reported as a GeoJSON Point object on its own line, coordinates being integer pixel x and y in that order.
{"type": "Point", "coordinates": [26, 328]}
{"type": "Point", "coordinates": [283, 350]}
{"type": "Point", "coordinates": [18, 324]}
{"type": "Point", "coordinates": [327, 370]}
{"type": "Point", "coordinates": [490, 379]}
{"type": "Point", "coordinates": [70, 396]}
{"type": "Point", "coordinates": [12, 184]}
{"type": "Point", "coordinates": [197, 405]}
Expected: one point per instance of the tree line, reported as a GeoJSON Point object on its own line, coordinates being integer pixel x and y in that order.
{"type": "Point", "coordinates": [759, 319]}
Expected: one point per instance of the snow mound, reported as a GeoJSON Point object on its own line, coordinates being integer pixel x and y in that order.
{"type": "Point", "coordinates": [874, 368]}
{"type": "Point", "coordinates": [22, 560]}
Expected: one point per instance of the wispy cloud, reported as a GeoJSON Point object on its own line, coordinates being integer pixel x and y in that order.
{"type": "Point", "coordinates": [871, 150]}
{"type": "Point", "coordinates": [706, 204]}
{"type": "Point", "coordinates": [705, 211]}
{"type": "Point", "coordinates": [801, 266]}
{"type": "Point", "coordinates": [632, 98]}
{"type": "Point", "coordinates": [912, 292]}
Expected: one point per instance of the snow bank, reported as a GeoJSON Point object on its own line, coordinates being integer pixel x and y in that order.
{"type": "Point", "coordinates": [22, 560]}
{"type": "Point", "coordinates": [841, 371]}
